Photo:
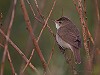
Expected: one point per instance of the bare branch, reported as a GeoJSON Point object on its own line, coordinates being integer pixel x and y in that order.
{"type": "Point", "coordinates": [51, 54]}
{"type": "Point", "coordinates": [8, 35]}
{"type": "Point", "coordinates": [85, 31]}
{"type": "Point", "coordinates": [97, 10]}
{"type": "Point", "coordinates": [11, 64]}
{"type": "Point", "coordinates": [28, 61]}
{"type": "Point", "coordinates": [50, 30]}
{"type": "Point", "coordinates": [19, 51]}
{"type": "Point", "coordinates": [45, 24]}
{"type": "Point", "coordinates": [28, 23]}
{"type": "Point", "coordinates": [38, 9]}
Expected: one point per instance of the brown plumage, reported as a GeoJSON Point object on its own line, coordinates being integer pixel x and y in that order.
{"type": "Point", "coordinates": [69, 35]}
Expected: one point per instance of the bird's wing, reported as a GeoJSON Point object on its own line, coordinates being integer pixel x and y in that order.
{"type": "Point", "coordinates": [70, 35]}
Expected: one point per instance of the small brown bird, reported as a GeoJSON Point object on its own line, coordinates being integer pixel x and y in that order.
{"type": "Point", "coordinates": [68, 36]}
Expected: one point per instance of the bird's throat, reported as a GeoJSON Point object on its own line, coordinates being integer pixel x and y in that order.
{"type": "Point", "coordinates": [57, 26]}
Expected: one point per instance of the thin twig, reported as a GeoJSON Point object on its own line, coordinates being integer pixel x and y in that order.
{"type": "Point", "coordinates": [28, 61]}
{"type": "Point", "coordinates": [45, 24]}
{"type": "Point", "coordinates": [38, 9]}
{"type": "Point", "coordinates": [97, 28]}
{"type": "Point", "coordinates": [29, 45]}
{"type": "Point", "coordinates": [80, 11]}
{"type": "Point", "coordinates": [51, 54]}
{"type": "Point", "coordinates": [97, 10]}
{"type": "Point", "coordinates": [77, 8]}
{"type": "Point", "coordinates": [42, 5]}
{"type": "Point", "coordinates": [36, 17]}
{"type": "Point", "coordinates": [89, 34]}
{"type": "Point", "coordinates": [9, 58]}
{"type": "Point", "coordinates": [28, 23]}
{"type": "Point", "coordinates": [11, 64]}
{"type": "Point", "coordinates": [50, 30]}
{"type": "Point", "coordinates": [85, 31]}
{"type": "Point", "coordinates": [33, 11]}
{"type": "Point", "coordinates": [6, 43]}
{"type": "Point", "coordinates": [98, 18]}
{"type": "Point", "coordinates": [19, 51]}
{"type": "Point", "coordinates": [84, 5]}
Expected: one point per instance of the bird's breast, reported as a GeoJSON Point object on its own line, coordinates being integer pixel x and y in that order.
{"type": "Point", "coordinates": [62, 43]}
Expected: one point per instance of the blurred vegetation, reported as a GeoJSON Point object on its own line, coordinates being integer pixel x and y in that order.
{"type": "Point", "coordinates": [20, 36]}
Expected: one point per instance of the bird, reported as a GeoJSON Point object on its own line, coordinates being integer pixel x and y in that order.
{"type": "Point", "coordinates": [68, 37]}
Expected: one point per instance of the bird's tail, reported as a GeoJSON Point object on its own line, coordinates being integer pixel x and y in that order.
{"type": "Point", "coordinates": [76, 53]}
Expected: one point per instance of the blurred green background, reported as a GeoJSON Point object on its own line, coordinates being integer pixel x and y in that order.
{"type": "Point", "coordinates": [21, 38]}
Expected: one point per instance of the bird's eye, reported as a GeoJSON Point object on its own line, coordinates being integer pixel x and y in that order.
{"type": "Point", "coordinates": [60, 22]}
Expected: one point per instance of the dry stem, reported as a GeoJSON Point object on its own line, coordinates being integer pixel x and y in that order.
{"type": "Point", "coordinates": [28, 62]}
{"type": "Point", "coordinates": [45, 24]}
{"type": "Point", "coordinates": [19, 51]}
{"type": "Point", "coordinates": [28, 23]}
{"type": "Point", "coordinates": [86, 34]}
{"type": "Point", "coordinates": [6, 43]}
{"type": "Point", "coordinates": [50, 30]}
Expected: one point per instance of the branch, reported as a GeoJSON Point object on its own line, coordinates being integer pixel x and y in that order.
{"type": "Point", "coordinates": [28, 62]}
{"type": "Point", "coordinates": [19, 51]}
{"type": "Point", "coordinates": [86, 34]}
{"type": "Point", "coordinates": [97, 10]}
{"type": "Point", "coordinates": [50, 30]}
{"type": "Point", "coordinates": [6, 42]}
{"type": "Point", "coordinates": [28, 23]}
{"type": "Point", "coordinates": [51, 54]}
{"type": "Point", "coordinates": [45, 24]}
{"type": "Point", "coordinates": [10, 61]}
{"type": "Point", "coordinates": [11, 64]}
{"type": "Point", "coordinates": [83, 23]}
{"type": "Point", "coordinates": [38, 9]}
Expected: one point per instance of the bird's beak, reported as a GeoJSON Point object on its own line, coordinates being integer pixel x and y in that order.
{"type": "Point", "coordinates": [54, 21]}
